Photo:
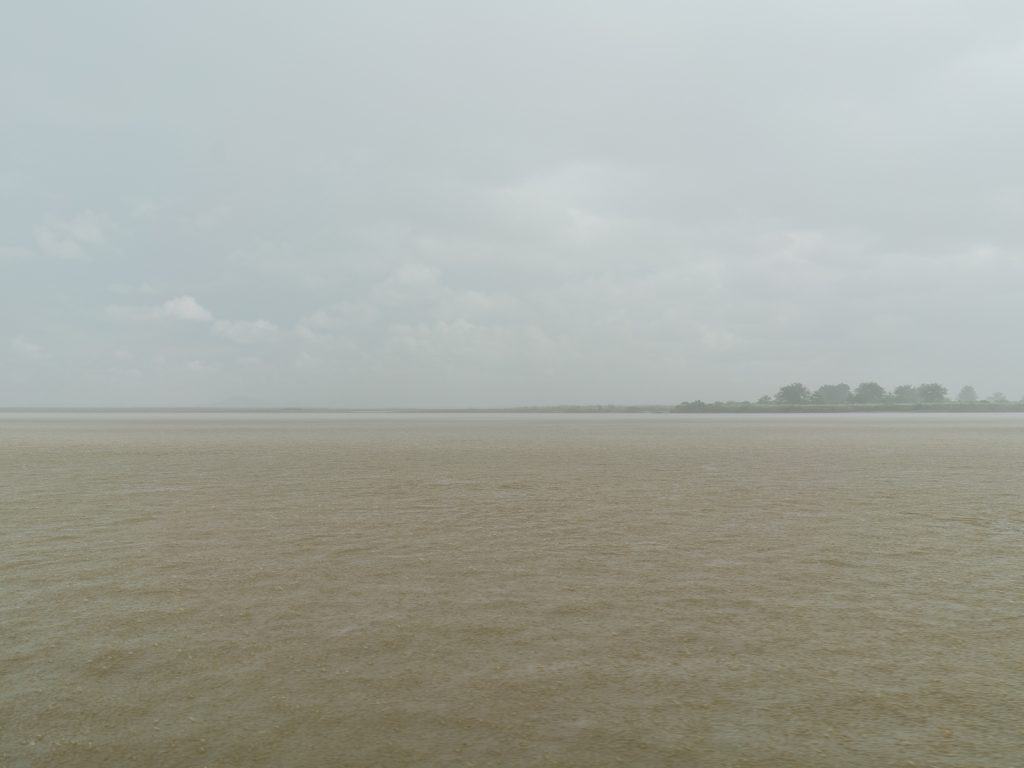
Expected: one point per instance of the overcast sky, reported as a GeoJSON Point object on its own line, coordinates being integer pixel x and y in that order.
{"type": "Point", "coordinates": [480, 203]}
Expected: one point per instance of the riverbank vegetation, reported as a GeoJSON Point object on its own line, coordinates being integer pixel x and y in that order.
{"type": "Point", "coordinates": [866, 396]}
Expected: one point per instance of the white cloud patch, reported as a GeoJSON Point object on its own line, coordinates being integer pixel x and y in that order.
{"type": "Point", "coordinates": [179, 308]}
{"type": "Point", "coordinates": [71, 239]}
{"type": "Point", "coordinates": [188, 309]}
{"type": "Point", "coordinates": [55, 244]}
{"type": "Point", "coordinates": [185, 308]}
{"type": "Point", "coordinates": [28, 349]}
{"type": "Point", "coordinates": [245, 331]}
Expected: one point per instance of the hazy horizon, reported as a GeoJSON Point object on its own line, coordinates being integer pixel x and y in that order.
{"type": "Point", "coordinates": [479, 205]}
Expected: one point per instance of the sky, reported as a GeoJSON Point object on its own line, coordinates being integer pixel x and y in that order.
{"type": "Point", "coordinates": [409, 204]}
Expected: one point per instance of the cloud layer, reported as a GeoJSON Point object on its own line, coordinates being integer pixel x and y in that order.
{"type": "Point", "coordinates": [467, 204]}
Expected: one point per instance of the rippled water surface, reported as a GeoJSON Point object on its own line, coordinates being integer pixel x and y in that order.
{"type": "Point", "coordinates": [217, 590]}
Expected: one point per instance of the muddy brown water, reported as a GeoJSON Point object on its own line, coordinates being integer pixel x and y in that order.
{"type": "Point", "coordinates": [511, 590]}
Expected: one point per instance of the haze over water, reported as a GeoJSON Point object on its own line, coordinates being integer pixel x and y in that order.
{"type": "Point", "coordinates": [283, 590]}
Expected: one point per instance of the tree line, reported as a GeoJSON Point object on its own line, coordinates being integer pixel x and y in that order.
{"type": "Point", "coordinates": [870, 394]}
{"type": "Point", "coordinates": [873, 393]}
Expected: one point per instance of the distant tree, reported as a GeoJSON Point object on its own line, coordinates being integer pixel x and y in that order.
{"type": "Point", "coordinates": [967, 395]}
{"type": "Point", "coordinates": [998, 397]}
{"type": "Point", "coordinates": [906, 393]}
{"type": "Point", "coordinates": [869, 392]}
{"type": "Point", "coordinates": [932, 393]}
{"type": "Point", "coordinates": [832, 394]}
{"type": "Point", "coordinates": [685, 407]}
{"type": "Point", "coordinates": [764, 400]}
{"type": "Point", "coordinates": [793, 394]}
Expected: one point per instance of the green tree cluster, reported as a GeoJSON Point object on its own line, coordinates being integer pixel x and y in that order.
{"type": "Point", "coordinates": [869, 393]}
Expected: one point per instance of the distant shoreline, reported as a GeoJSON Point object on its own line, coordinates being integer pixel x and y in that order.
{"type": "Point", "coordinates": [752, 408]}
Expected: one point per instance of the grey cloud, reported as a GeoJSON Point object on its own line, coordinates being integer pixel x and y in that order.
{"type": "Point", "coordinates": [477, 204]}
